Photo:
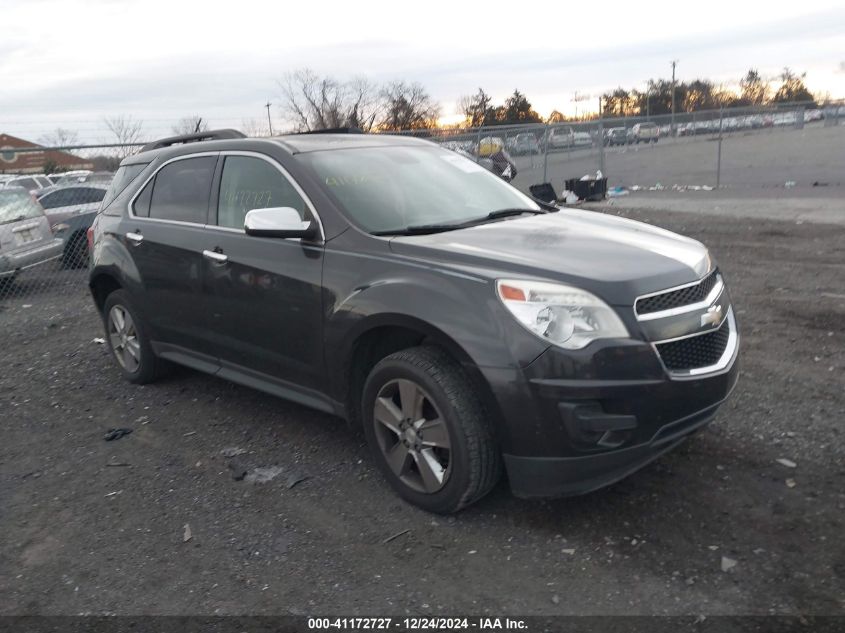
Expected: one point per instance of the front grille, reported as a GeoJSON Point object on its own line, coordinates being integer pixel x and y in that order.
{"type": "Point", "coordinates": [696, 351]}
{"type": "Point", "coordinates": [677, 298]}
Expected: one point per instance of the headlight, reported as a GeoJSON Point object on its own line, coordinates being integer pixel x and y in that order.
{"type": "Point", "coordinates": [565, 316]}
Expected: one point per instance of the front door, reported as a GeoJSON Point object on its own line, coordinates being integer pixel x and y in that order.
{"type": "Point", "coordinates": [263, 294]}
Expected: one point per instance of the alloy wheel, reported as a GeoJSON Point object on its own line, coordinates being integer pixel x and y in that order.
{"type": "Point", "coordinates": [123, 338]}
{"type": "Point", "coordinates": [412, 436]}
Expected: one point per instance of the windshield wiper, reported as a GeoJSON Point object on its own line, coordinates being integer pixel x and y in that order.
{"type": "Point", "coordinates": [426, 229]}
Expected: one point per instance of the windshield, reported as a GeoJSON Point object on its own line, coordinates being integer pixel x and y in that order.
{"type": "Point", "coordinates": [17, 205]}
{"type": "Point", "coordinates": [389, 188]}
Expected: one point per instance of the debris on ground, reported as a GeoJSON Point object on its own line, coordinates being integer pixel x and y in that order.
{"type": "Point", "coordinates": [570, 552]}
{"type": "Point", "coordinates": [295, 478]}
{"type": "Point", "coordinates": [262, 474]}
{"type": "Point", "coordinates": [789, 184]}
{"type": "Point", "coordinates": [232, 451]}
{"type": "Point", "coordinates": [786, 462]}
{"type": "Point", "coordinates": [790, 483]}
{"type": "Point", "coordinates": [238, 468]}
{"type": "Point", "coordinates": [117, 464]}
{"type": "Point", "coordinates": [99, 341]}
{"type": "Point", "coordinates": [395, 536]}
{"type": "Point", "coordinates": [728, 563]}
{"type": "Point", "coordinates": [615, 192]}
{"type": "Point", "coordinates": [116, 434]}
{"type": "Point", "coordinates": [556, 599]}
{"type": "Point", "coordinates": [188, 535]}
{"type": "Point", "coordinates": [189, 434]}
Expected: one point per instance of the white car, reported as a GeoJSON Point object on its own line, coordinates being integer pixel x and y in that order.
{"type": "Point", "coordinates": [645, 132]}
{"type": "Point", "coordinates": [32, 184]}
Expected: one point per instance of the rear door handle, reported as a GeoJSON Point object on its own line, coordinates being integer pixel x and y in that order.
{"type": "Point", "coordinates": [214, 256]}
{"type": "Point", "coordinates": [135, 238]}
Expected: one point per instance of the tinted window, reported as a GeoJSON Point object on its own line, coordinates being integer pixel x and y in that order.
{"type": "Point", "coordinates": [53, 200]}
{"type": "Point", "coordinates": [122, 179]}
{"type": "Point", "coordinates": [181, 190]}
{"type": "Point", "coordinates": [252, 183]}
{"type": "Point", "coordinates": [141, 207]}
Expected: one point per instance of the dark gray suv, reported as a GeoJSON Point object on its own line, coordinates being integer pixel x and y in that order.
{"type": "Point", "coordinates": [399, 285]}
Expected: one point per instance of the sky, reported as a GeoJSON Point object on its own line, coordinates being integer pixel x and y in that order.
{"type": "Point", "coordinates": [70, 63]}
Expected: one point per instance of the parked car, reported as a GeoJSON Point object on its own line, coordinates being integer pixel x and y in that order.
{"type": "Point", "coordinates": [559, 137]}
{"type": "Point", "coordinates": [25, 236]}
{"type": "Point", "coordinates": [525, 143]}
{"type": "Point", "coordinates": [616, 136]}
{"type": "Point", "coordinates": [32, 184]}
{"type": "Point", "coordinates": [70, 210]}
{"type": "Point", "coordinates": [403, 287]}
{"type": "Point", "coordinates": [70, 177]}
{"type": "Point", "coordinates": [645, 132]}
{"type": "Point", "coordinates": [582, 139]}
{"type": "Point", "coordinates": [490, 145]}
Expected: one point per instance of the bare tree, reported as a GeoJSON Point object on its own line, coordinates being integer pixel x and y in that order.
{"type": "Point", "coordinates": [127, 132]}
{"type": "Point", "coordinates": [255, 127]}
{"type": "Point", "coordinates": [60, 137]}
{"type": "Point", "coordinates": [407, 106]}
{"type": "Point", "coordinates": [477, 108]}
{"type": "Point", "coordinates": [312, 102]}
{"type": "Point", "coordinates": [192, 124]}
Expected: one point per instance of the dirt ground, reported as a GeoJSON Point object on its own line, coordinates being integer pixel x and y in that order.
{"type": "Point", "coordinates": [719, 526]}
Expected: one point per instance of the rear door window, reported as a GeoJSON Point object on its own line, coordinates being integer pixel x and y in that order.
{"type": "Point", "coordinates": [181, 190]}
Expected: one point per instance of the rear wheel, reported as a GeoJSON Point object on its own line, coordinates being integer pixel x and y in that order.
{"type": "Point", "coordinates": [428, 432]}
{"type": "Point", "coordinates": [127, 339]}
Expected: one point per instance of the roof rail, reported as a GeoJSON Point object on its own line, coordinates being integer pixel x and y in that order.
{"type": "Point", "coordinates": [211, 135]}
{"type": "Point", "coordinates": [336, 130]}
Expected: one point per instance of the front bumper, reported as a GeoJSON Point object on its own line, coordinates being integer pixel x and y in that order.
{"type": "Point", "coordinates": [604, 413]}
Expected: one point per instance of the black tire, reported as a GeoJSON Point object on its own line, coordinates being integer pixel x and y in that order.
{"type": "Point", "coordinates": [474, 460]}
{"type": "Point", "coordinates": [149, 366]}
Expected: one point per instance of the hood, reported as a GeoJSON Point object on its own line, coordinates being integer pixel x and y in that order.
{"type": "Point", "coordinates": [615, 258]}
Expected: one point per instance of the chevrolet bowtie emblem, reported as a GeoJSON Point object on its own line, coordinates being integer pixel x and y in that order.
{"type": "Point", "coordinates": [713, 316]}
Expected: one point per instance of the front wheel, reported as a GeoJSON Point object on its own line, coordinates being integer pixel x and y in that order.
{"type": "Point", "coordinates": [427, 430]}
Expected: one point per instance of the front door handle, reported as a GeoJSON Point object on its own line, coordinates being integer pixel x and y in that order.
{"type": "Point", "coordinates": [216, 257]}
{"type": "Point", "coordinates": [135, 238]}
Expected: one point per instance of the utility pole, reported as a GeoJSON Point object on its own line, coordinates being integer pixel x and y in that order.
{"type": "Point", "coordinates": [674, 61]}
{"type": "Point", "coordinates": [269, 121]}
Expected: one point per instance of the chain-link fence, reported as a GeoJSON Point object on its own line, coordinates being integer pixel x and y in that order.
{"type": "Point", "coordinates": [44, 217]}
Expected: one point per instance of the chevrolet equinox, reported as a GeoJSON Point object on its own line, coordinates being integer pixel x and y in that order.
{"type": "Point", "coordinates": [468, 328]}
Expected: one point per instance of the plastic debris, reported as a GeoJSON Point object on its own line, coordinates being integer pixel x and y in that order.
{"type": "Point", "coordinates": [728, 563]}
{"type": "Point", "coordinates": [789, 184]}
{"type": "Point", "coordinates": [790, 483]}
{"type": "Point", "coordinates": [116, 434]}
{"type": "Point", "coordinates": [786, 462]}
{"type": "Point", "coordinates": [188, 535]}
{"type": "Point", "coordinates": [295, 478]}
{"type": "Point", "coordinates": [569, 197]}
{"type": "Point", "coordinates": [99, 341]}
{"type": "Point", "coordinates": [262, 475]}
{"type": "Point", "coordinates": [615, 192]}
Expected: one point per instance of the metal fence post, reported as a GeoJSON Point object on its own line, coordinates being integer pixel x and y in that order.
{"type": "Point", "coordinates": [478, 145]}
{"type": "Point", "coordinates": [545, 153]}
{"type": "Point", "coordinates": [601, 144]}
{"type": "Point", "coordinates": [719, 154]}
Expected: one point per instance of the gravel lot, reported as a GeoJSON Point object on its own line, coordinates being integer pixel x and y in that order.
{"type": "Point", "coordinates": [99, 527]}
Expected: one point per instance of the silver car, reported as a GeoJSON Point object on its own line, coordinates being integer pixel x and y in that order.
{"type": "Point", "coordinates": [63, 202]}
{"type": "Point", "coordinates": [25, 235]}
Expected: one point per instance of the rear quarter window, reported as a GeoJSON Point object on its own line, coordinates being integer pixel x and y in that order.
{"type": "Point", "coordinates": [124, 177]}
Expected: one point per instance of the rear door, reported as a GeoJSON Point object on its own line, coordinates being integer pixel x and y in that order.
{"type": "Point", "coordinates": [165, 234]}
{"type": "Point", "coordinates": [263, 294]}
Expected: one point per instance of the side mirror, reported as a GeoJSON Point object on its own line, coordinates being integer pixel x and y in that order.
{"type": "Point", "coordinates": [278, 222]}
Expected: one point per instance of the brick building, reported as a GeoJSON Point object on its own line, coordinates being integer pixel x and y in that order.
{"type": "Point", "coordinates": [12, 162]}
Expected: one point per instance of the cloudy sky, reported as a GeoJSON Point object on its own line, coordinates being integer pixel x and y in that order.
{"type": "Point", "coordinates": [72, 62]}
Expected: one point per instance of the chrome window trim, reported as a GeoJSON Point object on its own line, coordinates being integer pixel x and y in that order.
{"type": "Point", "coordinates": [131, 204]}
{"type": "Point", "coordinates": [692, 307]}
{"type": "Point", "coordinates": [250, 154]}
{"type": "Point", "coordinates": [721, 365]}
